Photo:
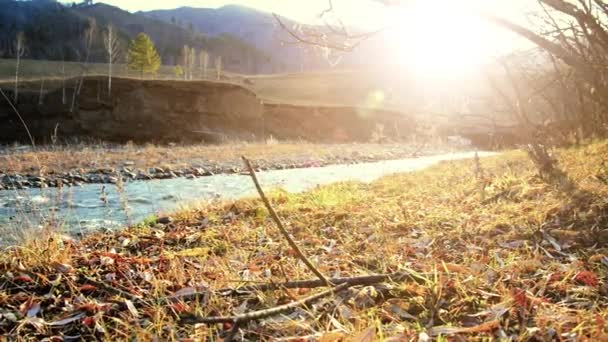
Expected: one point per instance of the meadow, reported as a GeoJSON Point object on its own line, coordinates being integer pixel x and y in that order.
{"type": "Point", "coordinates": [468, 250]}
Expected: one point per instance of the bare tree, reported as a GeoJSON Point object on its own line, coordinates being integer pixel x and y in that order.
{"type": "Point", "coordinates": [89, 33]}
{"type": "Point", "coordinates": [192, 62]}
{"type": "Point", "coordinates": [581, 42]}
{"type": "Point", "coordinates": [218, 67]}
{"type": "Point", "coordinates": [577, 35]}
{"type": "Point", "coordinates": [110, 41]}
{"type": "Point", "coordinates": [19, 52]}
{"type": "Point", "coordinates": [204, 62]}
{"type": "Point", "coordinates": [187, 62]}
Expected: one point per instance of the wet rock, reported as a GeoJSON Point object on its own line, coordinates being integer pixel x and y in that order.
{"type": "Point", "coordinates": [164, 220]}
{"type": "Point", "coordinates": [129, 175]}
{"type": "Point", "coordinates": [143, 176]}
{"type": "Point", "coordinates": [111, 180]}
{"type": "Point", "coordinates": [40, 185]}
{"type": "Point", "coordinates": [106, 171]}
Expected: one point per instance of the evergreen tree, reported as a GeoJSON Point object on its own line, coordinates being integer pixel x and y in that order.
{"type": "Point", "coordinates": [142, 55]}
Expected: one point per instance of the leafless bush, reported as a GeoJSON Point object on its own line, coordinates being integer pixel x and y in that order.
{"type": "Point", "coordinates": [19, 52]}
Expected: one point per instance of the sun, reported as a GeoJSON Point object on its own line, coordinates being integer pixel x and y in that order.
{"type": "Point", "coordinates": [439, 39]}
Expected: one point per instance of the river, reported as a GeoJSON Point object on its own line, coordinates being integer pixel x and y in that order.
{"type": "Point", "coordinates": [91, 207]}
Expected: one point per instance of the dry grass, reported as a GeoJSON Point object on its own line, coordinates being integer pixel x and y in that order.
{"type": "Point", "coordinates": [499, 256]}
{"type": "Point", "coordinates": [328, 88]}
{"type": "Point", "coordinates": [90, 157]}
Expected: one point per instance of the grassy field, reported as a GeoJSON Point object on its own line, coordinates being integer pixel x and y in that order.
{"type": "Point", "coordinates": [32, 70]}
{"type": "Point", "coordinates": [495, 253]}
{"type": "Point", "coordinates": [336, 88]}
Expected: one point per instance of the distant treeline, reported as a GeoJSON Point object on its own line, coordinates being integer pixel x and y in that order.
{"type": "Point", "coordinates": [54, 31]}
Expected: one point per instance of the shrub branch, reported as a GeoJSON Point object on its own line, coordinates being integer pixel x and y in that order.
{"type": "Point", "coordinates": [282, 228]}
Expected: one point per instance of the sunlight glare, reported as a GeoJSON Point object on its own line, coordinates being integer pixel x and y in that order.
{"type": "Point", "coordinates": [439, 40]}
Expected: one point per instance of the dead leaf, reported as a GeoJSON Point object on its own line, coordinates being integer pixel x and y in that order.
{"type": "Point", "coordinates": [445, 330]}
{"type": "Point", "coordinates": [368, 335]}
{"type": "Point", "coordinates": [132, 308]}
{"type": "Point", "coordinates": [332, 336]}
{"type": "Point", "coordinates": [67, 321]}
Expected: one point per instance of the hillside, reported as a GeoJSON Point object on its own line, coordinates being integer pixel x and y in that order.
{"type": "Point", "coordinates": [54, 32]}
{"type": "Point", "coordinates": [257, 28]}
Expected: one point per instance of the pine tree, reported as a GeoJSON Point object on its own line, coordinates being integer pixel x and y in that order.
{"type": "Point", "coordinates": [142, 55]}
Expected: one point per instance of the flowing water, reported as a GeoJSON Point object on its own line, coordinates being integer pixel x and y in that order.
{"type": "Point", "coordinates": [98, 206]}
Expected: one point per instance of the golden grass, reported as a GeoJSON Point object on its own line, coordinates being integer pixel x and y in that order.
{"type": "Point", "coordinates": [90, 157]}
{"type": "Point", "coordinates": [329, 88]}
{"type": "Point", "coordinates": [499, 256]}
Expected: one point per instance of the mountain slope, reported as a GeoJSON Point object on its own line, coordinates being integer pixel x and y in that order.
{"type": "Point", "coordinates": [256, 28]}
{"type": "Point", "coordinates": [54, 31]}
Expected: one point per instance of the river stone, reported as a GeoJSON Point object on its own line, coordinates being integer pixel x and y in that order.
{"type": "Point", "coordinates": [129, 174]}
{"type": "Point", "coordinates": [143, 176]}
{"type": "Point", "coordinates": [111, 180]}
{"type": "Point", "coordinates": [164, 220]}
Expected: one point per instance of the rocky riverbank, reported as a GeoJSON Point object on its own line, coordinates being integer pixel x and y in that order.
{"type": "Point", "coordinates": [118, 172]}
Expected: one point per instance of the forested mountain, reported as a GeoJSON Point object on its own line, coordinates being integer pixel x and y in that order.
{"type": "Point", "coordinates": [55, 31]}
{"type": "Point", "coordinates": [257, 28]}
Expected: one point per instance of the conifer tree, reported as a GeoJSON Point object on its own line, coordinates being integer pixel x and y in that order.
{"type": "Point", "coordinates": [142, 55]}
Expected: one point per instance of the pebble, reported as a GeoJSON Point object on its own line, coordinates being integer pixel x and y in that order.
{"type": "Point", "coordinates": [164, 220]}
{"type": "Point", "coordinates": [128, 173]}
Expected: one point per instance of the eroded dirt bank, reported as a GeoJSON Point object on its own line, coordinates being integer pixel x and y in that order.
{"type": "Point", "coordinates": [165, 111]}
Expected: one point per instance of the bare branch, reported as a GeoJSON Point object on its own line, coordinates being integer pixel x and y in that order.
{"type": "Point", "coordinates": [256, 315]}
{"type": "Point", "coordinates": [282, 228]}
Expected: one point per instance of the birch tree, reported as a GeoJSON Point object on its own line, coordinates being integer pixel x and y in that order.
{"type": "Point", "coordinates": [19, 52]}
{"type": "Point", "coordinates": [218, 67]}
{"type": "Point", "coordinates": [204, 62]}
{"type": "Point", "coordinates": [89, 33]}
{"type": "Point", "coordinates": [111, 44]}
{"type": "Point", "coordinates": [187, 62]}
{"type": "Point", "coordinates": [192, 62]}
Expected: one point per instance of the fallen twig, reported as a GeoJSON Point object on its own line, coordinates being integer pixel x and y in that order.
{"type": "Point", "coordinates": [116, 291]}
{"type": "Point", "coordinates": [313, 283]}
{"type": "Point", "coordinates": [256, 315]}
{"type": "Point", "coordinates": [282, 228]}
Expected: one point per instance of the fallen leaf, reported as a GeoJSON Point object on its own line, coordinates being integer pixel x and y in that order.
{"type": "Point", "coordinates": [368, 335]}
{"type": "Point", "coordinates": [87, 288]}
{"type": "Point", "coordinates": [132, 308]}
{"type": "Point", "coordinates": [485, 327]}
{"type": "Point", "coordinates": [187, 291]}
{"type": "Point", "coordinates": [332, 336]}
{"type": "Point", "coordinates": [587, 278]}
{"type": "Point", "coordinates": [23, 279]}
{"type": "Point", "coordinates": [67, 321]}
{"type": "Point", "coordinates": [33, 310]}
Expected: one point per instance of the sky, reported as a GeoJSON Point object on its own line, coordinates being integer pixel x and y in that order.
{"type": "Point", "coordinates": [429, 32]}
{"type": "Point", "coordinates": [364, 13]}
{"type": "Point", "coordinates": [301, 10]}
